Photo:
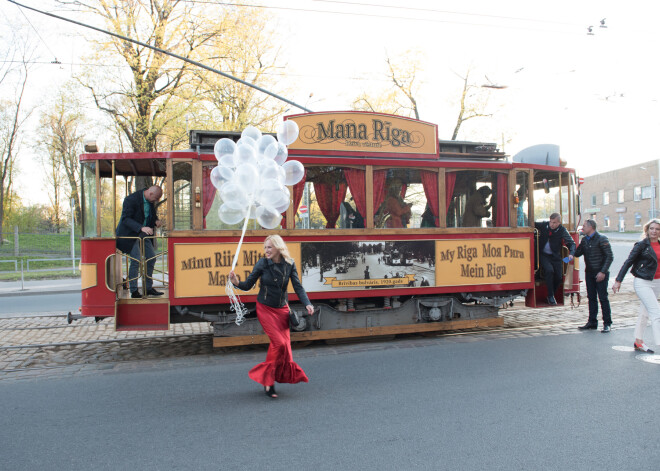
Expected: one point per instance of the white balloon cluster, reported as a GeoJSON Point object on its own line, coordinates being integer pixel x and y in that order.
{"type": "Point", "coordinates": [252, 175]}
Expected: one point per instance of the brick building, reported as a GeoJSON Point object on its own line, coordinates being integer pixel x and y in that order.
{"type": "Point", "coordinates": [621, 200]}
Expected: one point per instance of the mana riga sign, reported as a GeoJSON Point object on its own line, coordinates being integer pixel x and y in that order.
{"type": "Point", "coordinates": [356, 133]}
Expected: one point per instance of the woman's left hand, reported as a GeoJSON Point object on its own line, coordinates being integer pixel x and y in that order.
{"type": "Point", "coordinates": [310, 309]}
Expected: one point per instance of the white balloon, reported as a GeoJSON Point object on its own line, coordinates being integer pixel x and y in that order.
{"type": "Point", "coordinates": [245, 155]}
{"type": "Point", "coordinates": [227, 160]}
{"type": "Point", "coordinates": [264, 142]}
{"type": "Point", "coordinates": [247, 141]}
{"type": "Point", "coordinates": [282, 154]}
{"type": "Point", "coordinates": [216, 177]}
{"type": "Point", "coordinates": [252, 212]}
{"type": "Point", "coordinates": [294, 172]}
{"type": "Point", "coordinates": [281, 174]}
{"type": "Point", "coordinates": [270, 184]}
{"type": "Point", "coordinates": [223, 147]}
{"type": "Point", "coordinates": [251, 132]}
{"type": "Point", "coordinates": [268, 217]}
{"type": "Point", "coordinates": [230, 215]}
{"type": "Point", "coordinates": [288, 132]}
{"type": "Point", "coordinates": [282, 208]}
{"type": "Point", "coordinates": [247, 177]}
{"type": "Point", "coordinates": [225, 173]}
{"type": "Point", "coordinates": [271, 151]}
{"type": "Point", "coordinates": [274, 197]}
{"type": "Point", "coordinates": [234, 196]}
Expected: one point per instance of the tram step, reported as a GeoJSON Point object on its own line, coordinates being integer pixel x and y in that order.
{"type": "Point", "coordinates": [142, 314]}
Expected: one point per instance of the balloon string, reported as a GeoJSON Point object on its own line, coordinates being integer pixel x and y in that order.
{"type": "Point", "coordinates": [234, 299]}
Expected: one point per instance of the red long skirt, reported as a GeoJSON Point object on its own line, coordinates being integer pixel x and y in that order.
{"type": "Point", "coordinates": [279, 365]}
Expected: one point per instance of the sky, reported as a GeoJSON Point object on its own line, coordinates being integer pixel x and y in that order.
{"type": "Point", "coordinates": [596, 96]}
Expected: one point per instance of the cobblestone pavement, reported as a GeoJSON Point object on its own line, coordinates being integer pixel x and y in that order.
{"type": "Point", "coordinates": [46, 346]}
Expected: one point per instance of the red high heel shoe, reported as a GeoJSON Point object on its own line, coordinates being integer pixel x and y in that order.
{"type": "Point", "coordinates": [642, 347]}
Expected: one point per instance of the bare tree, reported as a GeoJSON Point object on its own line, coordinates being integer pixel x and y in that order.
{"type": "Point", "coordinates": [13, 115]}
{"type": "Point", "coordinates": [146, 101]}
{"type": "Point", "coordinates": [61, 138]}
{"type": "Point", "coordinates": [471, 106]}
{"type": "Point", "coordinates": [400, 96]}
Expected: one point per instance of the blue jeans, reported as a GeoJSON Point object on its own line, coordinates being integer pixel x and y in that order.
{"type": "Point", "coordinates": [134, 266]}
{"type": "Point", "coordinates": [597, 290]}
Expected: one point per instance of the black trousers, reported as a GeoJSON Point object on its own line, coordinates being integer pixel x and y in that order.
{"type": "Point", "coordinates": [552, 272]}
{"type": "Point", "coordinates": [597, 291]}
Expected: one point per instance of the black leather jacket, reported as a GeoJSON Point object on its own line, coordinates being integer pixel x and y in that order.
{"type": "Point", "coordinates": [597, 253]}
{"type": "Point", "coordinates": [643, 260]}
{"type": "Point", "coordinates": [274, 280]}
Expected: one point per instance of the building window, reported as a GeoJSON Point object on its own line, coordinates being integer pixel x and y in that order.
{"type": "Point", "coordinates": [619, 196]}
{"type": "Point", "coordinates": [647, 192]}
{"type": "Point", "coordinates": [606, 198]}
{"type": "Point", "coordinates": [638, 219]}
{"type": "Point", "coordinates": [606, 219]}
{"type": "Point", "coordinates": [637, 193]}
{"type": "Point", "coordinates": [593, 200]}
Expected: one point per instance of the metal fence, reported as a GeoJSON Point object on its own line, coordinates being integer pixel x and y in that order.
{"type": "Point", "coordinates": [45, 245]}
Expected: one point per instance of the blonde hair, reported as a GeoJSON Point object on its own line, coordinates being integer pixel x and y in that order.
{"type": "Point", "coordinates": [281, 247]}
{"type": "Point", "coordinates": [645, 232]}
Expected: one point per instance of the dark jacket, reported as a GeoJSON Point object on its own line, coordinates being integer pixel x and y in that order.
{"type": "Point", "coordinates": [132, 220]}
{"type": "Point", "coordinates": [643, 260]}
{"type": "Point", "coordinates": [555, 236]}
{"type": "Point", "coordinates": [274, 283]}
{"type": "Point", "coordinates": [597, 253]}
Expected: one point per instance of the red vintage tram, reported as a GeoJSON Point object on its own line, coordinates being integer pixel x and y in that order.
{"type": "Point", "coordinates": [393, 231]}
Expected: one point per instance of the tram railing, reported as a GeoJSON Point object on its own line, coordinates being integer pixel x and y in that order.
{"type": "Point", "coordinates": [119, 260]}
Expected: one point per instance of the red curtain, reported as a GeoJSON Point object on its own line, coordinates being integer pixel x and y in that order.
{"type": "Point", "coordinates": [450, 182]}
{"type": "Point", "coordinates": [330, 196]}
{"type": "Point", "coordinates": [430, 183]}
{"type": "Point", "coordinates": [357, 184]}
{"type": "Point", "coordinates": [298, 190]}
{"type": "Point", "coordinates": [404, 187]}
{"type": "Point", "coordinates": [379, 188]}
{"type": "Point", "coordinates": [209, 192]}
{"type": "Point", "coordinates": [502, 201]}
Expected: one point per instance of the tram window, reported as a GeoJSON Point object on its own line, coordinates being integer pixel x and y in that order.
{"type": "Point", "coordinates": [479, 199]}
{"type": "Point", "coordinates": [327, 192]}
{"type": "Point", "coordinates": [549, 197]}
{"type": "Point", "coordinates": [107, 221]}
{"type": "Point", "coordinates": [182, 193]}
{"type": "Point", "coordinates": [405, 198]}
{"type": "Point", "coordinates": [522, 192]}
{"type": "Point", "coordinates": [89, 198]}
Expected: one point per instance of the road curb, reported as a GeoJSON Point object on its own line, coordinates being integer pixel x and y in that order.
{"type": "Point", "coordinates": [32, 292]}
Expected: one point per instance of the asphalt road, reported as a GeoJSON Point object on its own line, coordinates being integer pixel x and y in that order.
{"type": "Point", "coordinates": [459, 402]}
{"type": "Point", "coordinates": [49, 303]}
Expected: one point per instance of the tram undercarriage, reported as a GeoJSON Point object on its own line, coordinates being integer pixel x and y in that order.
{"type": "Point", "coordinates": [414, 314]}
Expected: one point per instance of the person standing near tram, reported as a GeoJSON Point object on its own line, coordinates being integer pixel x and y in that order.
{"type": "Point", "coordinates": [551, 236]}
{"type": "Point", "coordinates": [274, 271]}
{"type": "Point", "coordinates": [139, 219]}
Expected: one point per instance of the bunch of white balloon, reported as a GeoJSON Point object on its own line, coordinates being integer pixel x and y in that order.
{"type": "Point", "coordinates": [252, 175]}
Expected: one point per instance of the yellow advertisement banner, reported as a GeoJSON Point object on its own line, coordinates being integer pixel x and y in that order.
{"type": "Point", "coordinates": [365, 132]}
{"type": "Point", "coordinates": [201, 270]}
{"type": "Point", "coordinates": [482, 261]}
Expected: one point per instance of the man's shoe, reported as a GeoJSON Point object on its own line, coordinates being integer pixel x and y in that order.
{"type": "Point", "coordinates": [606, 328]}
{"type": "Point", "coordinates": [552, 301]}
{"type": "Point", "coordinates": [153, 292]}
{"type": "Point", "coordinates": [135, 294]}
{"type": "Point", "coordinates": [588, 326]}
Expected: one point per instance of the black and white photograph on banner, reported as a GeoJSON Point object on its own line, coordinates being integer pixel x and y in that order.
{"type": "Point", "coordinates": [327, 266]}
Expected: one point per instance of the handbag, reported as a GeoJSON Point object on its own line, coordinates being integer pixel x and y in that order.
{"type": "Point", "coordinates": [293, 318]}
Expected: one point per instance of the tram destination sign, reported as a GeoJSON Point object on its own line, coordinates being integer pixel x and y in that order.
{"type": "Point", "coordinates": [358, 133]}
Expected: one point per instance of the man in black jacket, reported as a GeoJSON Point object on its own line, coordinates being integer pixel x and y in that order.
{"type": "Point", "coordinates": [551, 235]}
{"type": "Point", "coordinates": [138, 219]}
{"type": "Point", "coordinates": [598, 257]}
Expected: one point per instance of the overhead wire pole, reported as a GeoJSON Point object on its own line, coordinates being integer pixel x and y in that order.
{"type": "Point", "coordinates": [190, 61]}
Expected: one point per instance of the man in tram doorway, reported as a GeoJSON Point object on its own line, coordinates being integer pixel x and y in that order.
{"type": "Point", "coordinates": [551, 235]}
{"type": "Point", "coordinates": [139, 219]}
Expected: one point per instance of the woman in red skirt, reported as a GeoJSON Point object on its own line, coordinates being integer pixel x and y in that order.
{"type": "Point", "coordinates": [275, 270]}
